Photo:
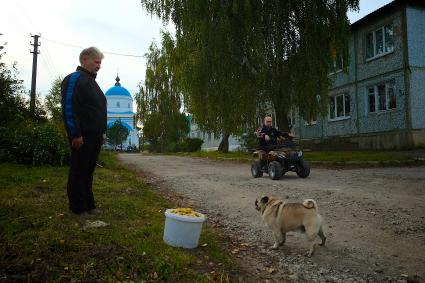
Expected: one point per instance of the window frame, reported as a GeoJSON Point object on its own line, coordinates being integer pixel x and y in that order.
{"type": "Point", "coordinates": [336, 69]}
{"type": "Point", "coordinates": [345, 116]}
{"type": "Point", "coordinates": [311, 123]}
{"type": "Point", "coordinates": [389, 84]}
{"type": "Point", "coordinates": [291, 117]}
{"type": "Point", "coordinates": [384, 42]}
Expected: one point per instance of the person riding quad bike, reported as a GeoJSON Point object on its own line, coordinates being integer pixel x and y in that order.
{"type": "Point", "coordinates": [277, 154]}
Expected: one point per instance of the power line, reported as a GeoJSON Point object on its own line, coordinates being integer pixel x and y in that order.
{"type": "Point", "coordinates": [47, 67]}
{"type": "Point", "coordinates": [46, 59]}
{"type": "Point", "coordinates": [50, 60]}
{"type": "Point", "coordinates": [18, 26]}
{"type": "Point", "coordinates": [24, 33]}
{"type": "Point", "coordinates": [25, 14]}
{"type": "Point", "coordinates": [80, 47]}
{"type": "Point", "coordinates": [63, 43]}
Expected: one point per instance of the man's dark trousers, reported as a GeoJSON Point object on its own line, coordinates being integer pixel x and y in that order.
{"type": "Point", "coordinates": [80, 178]}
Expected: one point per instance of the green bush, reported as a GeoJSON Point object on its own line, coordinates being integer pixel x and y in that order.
{"type": "Point", "coordinates": [191, 144]}
{"type": "Point", "coordinates": [37, 144]}
{"type": "Point", "coordinates": [249, 141]}
{"type": "Point", "coordinates": [152, 147]}
{"type": "Point", "coordinates": [7, 142]}
{"type": "Point", "coordinates": [186, 145]}
{"type": "Point", "coordinates": [146, 147]}
{"type": "Point", "coordinates": [173, 147]}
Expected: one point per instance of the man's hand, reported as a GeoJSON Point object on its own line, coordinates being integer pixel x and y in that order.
{"type": "Point", "coordinates": [77, 142]}
{"type": "Point", "coordinates": [291, 135]}
{"type": "Point", "coordinates": [102, 139]}
{"type": "Point", "coordinates": [267, 138]}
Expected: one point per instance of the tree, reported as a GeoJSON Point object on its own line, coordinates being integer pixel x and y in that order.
{"type": "Point", "coordinates": [215, 67]}
{"type": "Point", "coordinates": [12, 103]}
{"type": "Point", "coordinates": [117, 133]}
{"type": "Point", "coordinates": [238, 55]}
{"type": "Point", "coordinates": [53, 101]}
{"type": "Point", "coordinates": [14, 108]}
{"type": "Point", "coordinates": [300, 40]}
{"type": "Point", "coordinates": [159, 98]}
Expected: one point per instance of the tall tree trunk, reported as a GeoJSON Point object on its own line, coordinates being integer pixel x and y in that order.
{"type": "Point", "coordinates": [282, 120]}
{"type": "Point", "coordinates": [224, 144]}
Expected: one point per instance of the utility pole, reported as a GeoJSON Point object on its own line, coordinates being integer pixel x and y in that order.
{"type": "Point", "coordinates": [35, 52]}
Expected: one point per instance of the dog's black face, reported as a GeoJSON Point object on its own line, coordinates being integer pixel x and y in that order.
{"type": "Point", "coordinates": [263, 201]}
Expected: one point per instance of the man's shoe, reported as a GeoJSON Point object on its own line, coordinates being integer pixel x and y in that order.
{"type": "Point", "coordinates": [80, 214]}
{"type": "Point", "coordinates": [93, 211]}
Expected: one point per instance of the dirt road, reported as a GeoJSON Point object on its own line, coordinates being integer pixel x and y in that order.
{"type": "Point", "coordinates": [375, 217]}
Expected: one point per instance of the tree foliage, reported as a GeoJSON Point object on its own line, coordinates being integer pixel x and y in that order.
{"type": "Point", "coordinates": [236, 57]}
{"type": "Point", "coordinates": [14, 108]}
{"type": "Point", "coordinates": [53, 101]}
{"type": "Point", "coordinates": [12, 103]}
{"type": "Point", "coordinates": [159, 98]}
{"type": "Point", "coordinates": [23, 138]}
{"type": "Point", "coordinates": [117, 133]}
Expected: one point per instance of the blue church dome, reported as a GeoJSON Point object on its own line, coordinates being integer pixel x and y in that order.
{"type": "Point", "coordinates": [118, 90]}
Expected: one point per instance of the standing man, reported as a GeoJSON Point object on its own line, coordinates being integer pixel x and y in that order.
{"type": "Point", "coordinates": [84, 115]}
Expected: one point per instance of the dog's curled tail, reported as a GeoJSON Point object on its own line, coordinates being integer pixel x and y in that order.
{"type": "Point", "coordinates": [310, 203]}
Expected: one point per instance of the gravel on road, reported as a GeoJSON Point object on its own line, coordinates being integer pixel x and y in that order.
{"type": "Point", "coordinates": [374, 217]}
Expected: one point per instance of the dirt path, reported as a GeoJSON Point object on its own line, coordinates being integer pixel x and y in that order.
{"type": "Point", "coordinates": [375, 218]}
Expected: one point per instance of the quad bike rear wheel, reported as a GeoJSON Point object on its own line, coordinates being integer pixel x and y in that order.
{"type": "Point", "coordinates": [275, 170]}
{"type": "Point", "coordinates": [303, 168]}
{"type": "Point", "coordinates": [256, 169]}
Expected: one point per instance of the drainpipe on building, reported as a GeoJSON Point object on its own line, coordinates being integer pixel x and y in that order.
{"type": "Point", "coordinates": [406, 68]}
{"type": "Point", "coordinates": [356, 91]}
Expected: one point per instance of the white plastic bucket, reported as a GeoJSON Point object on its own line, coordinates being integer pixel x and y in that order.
{"type": "Point", "coordinates": [181, 230]}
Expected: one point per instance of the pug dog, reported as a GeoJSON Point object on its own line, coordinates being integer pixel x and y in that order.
{"type": "Point", "coordinates": [282, 217]}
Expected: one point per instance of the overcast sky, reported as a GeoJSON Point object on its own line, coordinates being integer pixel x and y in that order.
{"type": "Point", "coordinates": [113, 26]}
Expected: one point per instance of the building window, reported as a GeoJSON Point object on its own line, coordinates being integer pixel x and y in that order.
{"type": "Point", "coordinates": [381, 97]}
{"type": "Point", "coordinates": [291, 118]}
{"type": "Point", "coordinates": [379, 42]}
{"type": "Point", "coordinates": [338, 63]}
{"type": "Point", "coordinates": [339, 106]}
{"type": "Point", "coordinates": [118, 104]}
{"type": "Point", "coordinates": [312, 122]}
{"type": "Point", "coordinates": [129, 105]}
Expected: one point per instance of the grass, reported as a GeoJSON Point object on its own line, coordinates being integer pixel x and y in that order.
{"type": "Point", "coordinates": [40, 241]}
{"type": "Point", "coordinates": [347, 158]}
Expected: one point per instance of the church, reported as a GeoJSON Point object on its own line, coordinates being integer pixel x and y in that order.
{"type": "Point", "coordinates": [120, 107]}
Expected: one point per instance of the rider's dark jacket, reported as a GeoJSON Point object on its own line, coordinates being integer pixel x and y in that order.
{"type": "Point", "coordinates": [273, 133]}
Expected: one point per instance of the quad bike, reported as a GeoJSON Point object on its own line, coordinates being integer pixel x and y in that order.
{"type": "Point", "coordinates": [279, 160]}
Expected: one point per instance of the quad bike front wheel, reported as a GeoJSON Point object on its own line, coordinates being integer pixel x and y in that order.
{"type": "Point", "coordinates": [275, 170]}
{"type": "Point", "coordinates": [256, 169]}
{"type": "Point", "coordinates": [303, 168]}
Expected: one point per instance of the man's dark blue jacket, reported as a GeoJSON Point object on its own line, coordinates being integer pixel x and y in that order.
{"type": "Point", "coordinates": [83, 104]}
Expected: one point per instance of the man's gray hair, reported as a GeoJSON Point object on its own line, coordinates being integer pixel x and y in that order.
{"type": "Point", "coordinates": [91, 52]}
